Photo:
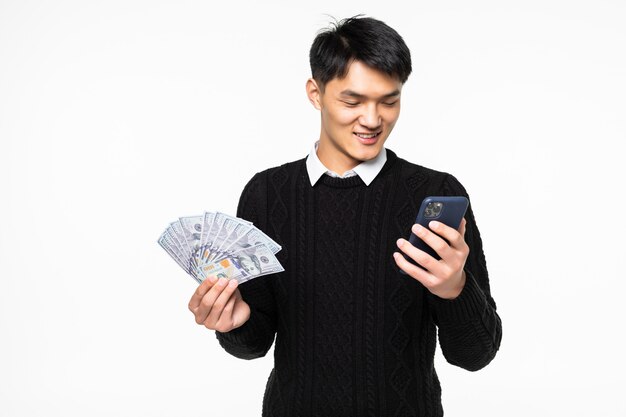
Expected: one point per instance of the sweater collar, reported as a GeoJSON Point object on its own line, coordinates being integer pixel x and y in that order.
{"type": "Point", "coordinates": [366, 170]}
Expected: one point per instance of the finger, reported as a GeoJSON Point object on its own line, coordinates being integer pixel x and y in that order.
{"type": "Point", "coordinates": [226, 317]}
{"type": "Point", "coordinates": [413, 271]}
{"type": "Point", "coordinates": [202, 289]}
{"type": "Point", "coordinates": [462, 227]}
{"type": "Point", "coordinates": [228, 287]}
{"type": "Point", "coordinates": [208, 300]}
{"type": "Point", "coordinates": [424, 259]}
{"type": "Point", "coordinates": [433, 240]}
{"type": "Point", "coordinates": [451, 235]}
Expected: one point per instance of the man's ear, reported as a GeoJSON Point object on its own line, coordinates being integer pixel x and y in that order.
{"type": "Point", "coordinates": [314, 93]}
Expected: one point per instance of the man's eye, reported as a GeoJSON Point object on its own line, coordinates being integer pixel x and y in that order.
{"type": "Point", "coordinates": [351, 103]}
{"type": "Point", "coordinates": [391, 103]}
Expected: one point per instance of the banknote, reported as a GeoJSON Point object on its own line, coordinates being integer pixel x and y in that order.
{"type": "Point", "coordinates": [221, 245]}
{"type": "Point", "coordinates": [245, 264]}
{"type": "Point", "coordinates": [192, 229]}
{"type": "Point", "coordinates": [227, 226]}
{"type": "Point", "coordinates": [176, 229]}
{"type": "Point", "coordinates": [209, 244]}
{"type": "Point", "coordinates": [207, 224]}
{"type": "Point", "coordinates": [170, 247]}
{"type": "Point", "coordinates": [252, 237]}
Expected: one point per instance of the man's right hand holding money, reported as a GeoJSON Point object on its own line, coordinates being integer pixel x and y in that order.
{"type": "Point", "coordinates": [217, 304]}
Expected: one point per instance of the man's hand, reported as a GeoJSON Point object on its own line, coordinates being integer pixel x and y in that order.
{"type": "Point", "coordinates": [217, 304]}
{"type": "Point", "coordinates": [445, 278]}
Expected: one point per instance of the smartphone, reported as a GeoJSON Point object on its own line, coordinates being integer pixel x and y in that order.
{"type": "Point", "coordinates": [447, 210]}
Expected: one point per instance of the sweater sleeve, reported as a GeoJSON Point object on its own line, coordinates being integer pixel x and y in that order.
{"type": "Point", "coordinates": [254, 338]}
{"type": "Point", "coordinates": [470, 329]}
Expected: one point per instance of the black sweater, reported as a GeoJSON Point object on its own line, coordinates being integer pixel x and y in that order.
{"type": "Point", "coordinates": [354, 337]}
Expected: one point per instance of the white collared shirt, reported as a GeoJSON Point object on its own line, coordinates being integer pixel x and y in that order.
{"type": "Point", "coordinates": [366, 170]}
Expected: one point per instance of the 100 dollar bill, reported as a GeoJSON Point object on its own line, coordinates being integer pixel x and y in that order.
{"type": "Point", "coordinates": [243, 265]}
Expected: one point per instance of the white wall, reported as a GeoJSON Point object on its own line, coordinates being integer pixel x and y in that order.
{"type": "Point", "coordinates": [117, 117]}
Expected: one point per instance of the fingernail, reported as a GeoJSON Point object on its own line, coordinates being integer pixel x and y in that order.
{"type": "Point", "coordinates": [400, 242]}
{"type": "Point", "coordinates": [212, 279]}
{"type": "Point", "coordinates": [417, 228]}
{"type": "Point", "coordinates": [232, 283]}
{"type": "Point", "coordinates": [221, 282]}
{"type": "Point", "coordinates": [433, 224]}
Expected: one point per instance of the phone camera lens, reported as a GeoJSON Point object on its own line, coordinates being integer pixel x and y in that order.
{"type": "Point", "coordinates": [433, 209]}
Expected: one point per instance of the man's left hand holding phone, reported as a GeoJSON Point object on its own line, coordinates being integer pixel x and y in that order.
{"type": "Point", "coordinates": [444, 278]}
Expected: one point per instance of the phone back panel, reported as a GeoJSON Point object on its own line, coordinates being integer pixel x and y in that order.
{"type": "Point", "coordinates": [451, 213]}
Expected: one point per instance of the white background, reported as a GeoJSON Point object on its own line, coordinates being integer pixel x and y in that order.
{"type": "Point", "coordinates": [117, 117]}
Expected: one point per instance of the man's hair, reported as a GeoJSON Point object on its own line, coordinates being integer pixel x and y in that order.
{"type": "Point", "coordinates": [363, 39]}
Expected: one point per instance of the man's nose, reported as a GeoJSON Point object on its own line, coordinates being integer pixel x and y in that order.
{"type": "Point", "coordinates": [370, 117]}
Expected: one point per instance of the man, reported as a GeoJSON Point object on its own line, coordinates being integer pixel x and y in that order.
{"type": "Point", "coordinates": [355, 336]}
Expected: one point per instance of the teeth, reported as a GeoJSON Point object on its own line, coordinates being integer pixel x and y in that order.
{"type": "Point", "coordinates": [364, 136]}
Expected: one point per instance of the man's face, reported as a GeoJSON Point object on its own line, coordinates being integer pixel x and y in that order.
{"type": "Point", "coordinates": [358, 113]}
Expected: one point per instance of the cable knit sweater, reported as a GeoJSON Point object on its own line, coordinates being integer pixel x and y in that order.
{"type": "Point", "coordinates": [354, 336]}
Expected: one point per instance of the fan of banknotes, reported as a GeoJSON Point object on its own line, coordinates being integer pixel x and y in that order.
{"type": "Point", "coordinates": [220, 245]}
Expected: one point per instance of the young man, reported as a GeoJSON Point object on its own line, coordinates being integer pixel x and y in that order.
{"type": "Point", "coordinates": [355, 336]}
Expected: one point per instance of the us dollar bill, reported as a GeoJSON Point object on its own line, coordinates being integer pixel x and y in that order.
{"type": "Point", "coordinates": [245, 264]}
{"type": "Point", "coordinates": [207, 223]}
{"type": "Point", "coordinates": [170, 247]}
{"type": "Point", "coordinates": [192, 229]}
{"type": "Point", "coordinates": [177, 231]}
{"type": "Point", "coordinates": [227, 225]}
{"type": "Point", "coordinates": [221, 245]}
{"type": "Point", "coordinates": [251, 238]}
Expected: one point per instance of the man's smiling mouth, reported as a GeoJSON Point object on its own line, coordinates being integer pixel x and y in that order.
{"type": "Point", "coordinates": [367, 135]}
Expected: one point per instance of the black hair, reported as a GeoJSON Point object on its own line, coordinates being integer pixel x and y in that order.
{"type": "Point", "coordinates": [358, 39]}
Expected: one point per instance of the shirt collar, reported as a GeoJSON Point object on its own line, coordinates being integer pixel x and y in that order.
{"type": "Point", "coordinates": [366, 170]}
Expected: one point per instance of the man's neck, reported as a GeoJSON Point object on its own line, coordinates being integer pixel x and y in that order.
{"type": "Point", "coordinates": [334, 159]}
